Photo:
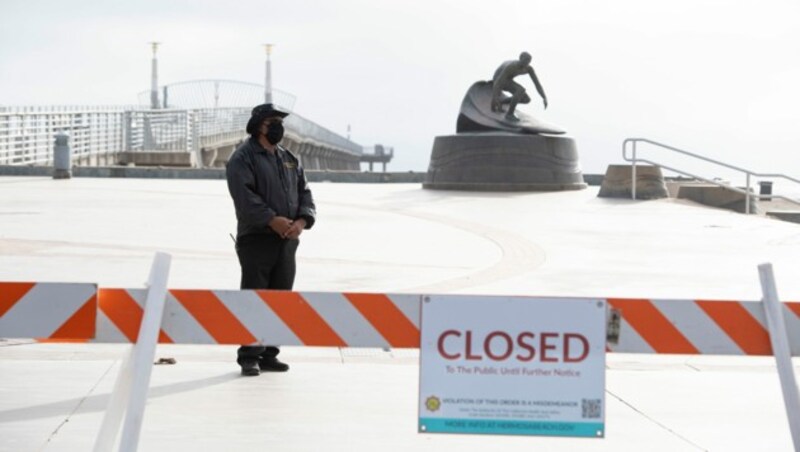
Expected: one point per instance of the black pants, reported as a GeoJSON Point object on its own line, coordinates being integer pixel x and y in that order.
{"type": "Point", "coordinates": [268, 262]}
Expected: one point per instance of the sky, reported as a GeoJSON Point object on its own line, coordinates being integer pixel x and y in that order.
{"type": "Point", "coordinates": [719, 78]}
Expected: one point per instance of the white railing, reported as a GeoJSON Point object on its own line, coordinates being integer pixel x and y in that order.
{"type": "Point", "coordinates": [749, 175]}
{"type": "Point", "coordinates": [159, 130]}
{"type": "Point", "coordinates": [309, 129]}
{"type": "Point", "coordinates": [27, 133]}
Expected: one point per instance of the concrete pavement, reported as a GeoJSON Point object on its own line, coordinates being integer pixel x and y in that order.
{"type": "Point", "coordinates": [385, 238]}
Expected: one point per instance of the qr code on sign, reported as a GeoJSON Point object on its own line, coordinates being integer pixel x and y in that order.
{"type": "Point", "coordinates": [590, 408]}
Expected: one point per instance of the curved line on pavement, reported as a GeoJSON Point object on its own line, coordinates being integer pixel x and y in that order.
{"type": "Point", "coordinates": [518, 254]}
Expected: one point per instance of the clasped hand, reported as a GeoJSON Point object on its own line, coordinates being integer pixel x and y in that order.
{"type": "Point", "coordinates": [286, 228]}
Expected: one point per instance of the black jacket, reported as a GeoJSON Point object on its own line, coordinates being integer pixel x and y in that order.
{"type": "Point", "coordinates": [264, 185]}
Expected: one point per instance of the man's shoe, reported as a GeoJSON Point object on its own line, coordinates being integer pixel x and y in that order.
{"type": "Point", "coordinates": [272, 365]}
{"type": "Point", "coordinates": [250, 368]}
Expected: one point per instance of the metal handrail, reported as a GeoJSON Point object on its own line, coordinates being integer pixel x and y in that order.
{"type": "Point", "coordinates": [747, 172]}
{"type": "Point", "coordinates": [26, 133]}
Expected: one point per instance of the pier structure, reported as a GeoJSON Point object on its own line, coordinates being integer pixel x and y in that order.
{"type": "Point", "coordinates": [195, 123]}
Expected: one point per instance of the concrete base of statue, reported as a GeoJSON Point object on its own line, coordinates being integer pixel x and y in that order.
{"type": "Point", "coordinates": [504, 161]}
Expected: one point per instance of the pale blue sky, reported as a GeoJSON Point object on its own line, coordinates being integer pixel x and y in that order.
{"type": "Point", "coordinates": [716, 77]}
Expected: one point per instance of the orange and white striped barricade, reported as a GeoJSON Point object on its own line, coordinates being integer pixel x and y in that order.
{"type": "Point", "coordinates": [200, 316]}
{"type": "Point", "coordinates": [266, 317]}
{"type": "Point", "coordinates": [58, 311]}
{"type": "Point", "coordinates": [714, 327]}
{"type": "Point", "coordinates": [144, 316]}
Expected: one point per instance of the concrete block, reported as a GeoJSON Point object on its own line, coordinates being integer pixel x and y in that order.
{"type": "Point", "coordinates": [716, 196]}
{"type": "Point", "coordinates": [649, 182]}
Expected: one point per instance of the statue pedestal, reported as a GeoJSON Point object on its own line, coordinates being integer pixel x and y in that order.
{"type": "Point", "coordinates": [503, 161]}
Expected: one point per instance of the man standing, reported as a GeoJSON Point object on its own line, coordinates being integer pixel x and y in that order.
{"type": "Point", "coordinates": [273, 206]}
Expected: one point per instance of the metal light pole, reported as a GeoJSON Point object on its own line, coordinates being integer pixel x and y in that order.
{"type": "Point", "coordinates": [268, 76]}
{"type": "Point", "coordinates": [154, 78]}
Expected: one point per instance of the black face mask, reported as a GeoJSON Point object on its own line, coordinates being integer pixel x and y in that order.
{"type": "Point", "coordinates": [275, 133]}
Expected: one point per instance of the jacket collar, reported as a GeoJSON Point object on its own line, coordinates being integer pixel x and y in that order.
{"type": "Point", "coordinates": [258, 148]}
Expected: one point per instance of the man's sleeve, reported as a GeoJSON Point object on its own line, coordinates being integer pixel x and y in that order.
{"type": "Point", "coordinates": [250, 208]}
{"type": "Point", "coordinates": [308, 211]}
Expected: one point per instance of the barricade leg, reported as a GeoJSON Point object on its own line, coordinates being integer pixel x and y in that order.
{"type": "Point", "coordinates": [116, 406]}
{"type": "Point", "coordinates": [780, 348]}
{"type": "Point", "coordinates": [130, 392]}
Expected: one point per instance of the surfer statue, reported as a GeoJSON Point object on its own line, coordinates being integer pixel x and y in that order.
{"type": "Point", "coordinates": [491, 105]}
{"type": "Point", "coordinates": [504, 81]}
{"type": "Point", "coordinates": [499, 147]}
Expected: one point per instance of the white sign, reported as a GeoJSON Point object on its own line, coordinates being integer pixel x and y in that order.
{"type": "Point", "coordinates": [512, 365]}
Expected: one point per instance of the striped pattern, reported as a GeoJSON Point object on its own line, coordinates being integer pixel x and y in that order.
{"type": "Point", "coordinates": [266, 317]}
{"type": "Point", "coordinates": [718, 327]}
{"type": "Point", "coordinates": [380, 320]}
{"type": "Point", "coordinates": [59, 311]}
